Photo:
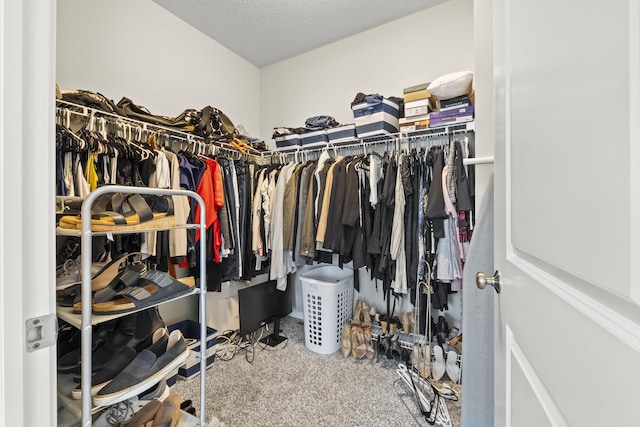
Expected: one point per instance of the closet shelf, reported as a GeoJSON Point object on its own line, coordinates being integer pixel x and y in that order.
{"type": "Point", "coordinates": [380, 139]}
{"type": "Point", "coordinates": [60, 231]}
{"type": "Point", "coordinates": [75, 320]}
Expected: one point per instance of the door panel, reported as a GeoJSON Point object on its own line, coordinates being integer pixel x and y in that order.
{"type": "Point", "coordinates": [562, 110]}
{"type": "Point", "coordinates": [567, 199]}
{"type": "Point", "coordinates": [527, 409]}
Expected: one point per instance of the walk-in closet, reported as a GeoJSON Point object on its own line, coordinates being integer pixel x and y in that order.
{"type": "Point", "coordinates": [328, 213]}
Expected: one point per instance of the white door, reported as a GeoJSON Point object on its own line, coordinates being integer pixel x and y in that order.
{"type": "Point", "coordinates": [567, 212]}
{"type": "Point", "coordinates": [27, 241]}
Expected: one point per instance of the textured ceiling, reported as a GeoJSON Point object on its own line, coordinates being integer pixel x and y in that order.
{"type": "Point", "coordinates": [268, 31]}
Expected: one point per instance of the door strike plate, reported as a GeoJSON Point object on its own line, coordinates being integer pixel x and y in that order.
{"type": "Point", "coordinates": [41, 332]}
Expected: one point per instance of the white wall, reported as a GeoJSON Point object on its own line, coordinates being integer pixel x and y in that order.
{"type": "Point", "coordinates": [137, 49]}
{"type": "Point", "coordinates": [384, 60]}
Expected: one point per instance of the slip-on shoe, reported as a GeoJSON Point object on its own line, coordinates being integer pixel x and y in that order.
{"type": "Point", "coordinates": [144, 370]}
{"type": "Point", "coordinates": [120, 361]}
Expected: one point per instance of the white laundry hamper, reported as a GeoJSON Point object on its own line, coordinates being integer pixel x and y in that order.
{"type": "Point", "coordinates": [327, 295]}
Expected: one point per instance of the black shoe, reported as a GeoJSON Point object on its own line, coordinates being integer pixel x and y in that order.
{"type": "Point", "coordinates": [69, 361]}
{"type": "Point", "coordinates": [442, 330]}
{"type": "Point", "coordinates": [135, 330]}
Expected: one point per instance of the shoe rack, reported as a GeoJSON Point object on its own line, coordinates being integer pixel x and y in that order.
{"type": "Point", "coordinates": [86, 320]}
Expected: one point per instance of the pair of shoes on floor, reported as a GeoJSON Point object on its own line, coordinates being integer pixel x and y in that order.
{"type": "Point", "coordinates": [450, 366]}
{"type": "Point", "coordinates": [361, 315]}
{"type": "Point", "coordinates": [357, 342]}
{"type": "Point", "coordinates": [135, 330]}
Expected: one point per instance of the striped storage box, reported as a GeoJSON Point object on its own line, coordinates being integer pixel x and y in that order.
{"type": "Point", "coordinates": [343, 133]}
{"type": "Point", "coordinates": [315, 138]}
{"type": "Point", "coordinates": [288, 141]}
{"type": "Point", "coordinates": [376, 119]}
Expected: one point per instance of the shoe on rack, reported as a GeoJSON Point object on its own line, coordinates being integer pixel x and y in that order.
{"type": "Point", "coordinates": [169, 413]}
{"type": "Point", "coordinates": [144, 370]}
{"type": "Point", "coordinates": [120, 361]}
{"type": "Point", "coordinates": [70, 273]}
{"type": "Point", "coordinates": [408, 322]}
{"type": "Point", "coordinates": [442, 330]}
{"type": "Point", "coordinates": [452, 367]}
{"type": "Point", "coordinates": [126, 278]}
{"type": "Point", "coordinates": [346, 340]}
{"type": "Point", "coordinates": [438, 367]}
{"type": "Point", "coordinates": [68, 362]}
{"type": "Point", "coordinates": [135, 330]}
{"type": "Point", "coordinates": [123, 413]}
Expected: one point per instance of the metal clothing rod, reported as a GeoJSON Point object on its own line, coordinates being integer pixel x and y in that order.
{"type": "Point", "coordinates": [477, 160]}
{"type": "Point", "coordinates": [149, 127]}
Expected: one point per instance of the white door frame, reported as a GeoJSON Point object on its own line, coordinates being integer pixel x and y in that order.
{"type": "Point", "coordinates": [27, 177]}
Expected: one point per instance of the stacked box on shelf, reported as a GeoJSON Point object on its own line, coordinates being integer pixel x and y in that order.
{"type": "Point", "coordinates": [191, 332]}
{"type": "Point", "coordinates": [412, 124]}
{"type": "Point", "coordinates": [288, 141]}
{"type": "Point", "coordinates": [451, 116]}
{"type": "Point", "coordinates": [373, 119]}
{"type": "Point", "coordinates": [314, 138]}
{"type": "Point", "coordinates": [418, 103]}
{"type": "Point", "coordinates": [344, 133]}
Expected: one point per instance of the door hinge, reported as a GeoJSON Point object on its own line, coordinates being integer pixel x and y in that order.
{"type": "Point", "coordinates": [41, 332]}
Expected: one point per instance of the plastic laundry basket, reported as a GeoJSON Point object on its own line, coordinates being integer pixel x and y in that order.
{"type": "Point", "coordinates": [327, 294]}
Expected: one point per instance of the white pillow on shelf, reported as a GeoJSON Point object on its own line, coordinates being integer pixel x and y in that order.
{"type": "Point", "coordinates": [451, 85]}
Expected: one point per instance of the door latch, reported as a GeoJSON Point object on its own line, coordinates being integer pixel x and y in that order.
{"type": "Point", "coordinates": [41, 332]}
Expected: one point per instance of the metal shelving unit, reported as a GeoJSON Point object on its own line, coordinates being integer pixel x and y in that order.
{"type": "Point", "coordinates": [86, 320]}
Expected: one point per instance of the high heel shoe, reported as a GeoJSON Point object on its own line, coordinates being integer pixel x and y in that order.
{"type": "Point", "coordinates": [442, 330]}
{"type": "Point", "coordinates": [365, 317]}
{"type": "Point", "coordinates": [358, 346]}
{"type": "Point", "coordinates": [346, 340]}
{"type": "Point", "coordinates": [357, 313]}
{"type": "Point", "coordinates": [408, 323]}
{"type": "Point", "coordinates": [368, 340]}
{"type": "Point", "coordinates": [107, 273]}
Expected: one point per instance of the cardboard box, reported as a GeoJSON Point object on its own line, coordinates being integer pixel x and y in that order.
{"type": "Point", "coordinates": [450, 120]}
{"type": "Point", "coordinates": [343, 133]}
{"type": "Point", "coordinates": [376, 119]}
{"type": "Point", "coordinates": [288, 141]}
{"type": "Point", "coordinates": [461, 111]}
{"type": "Point", "coordinates": [412, 124]}
{"type": "Point", "coordinates": [419, 94]}
{"type": "Point", "coordinates": [415, 88]}
{"type": "Point", "coordinates": [317, 137]}
{"type": "Point", "coordinates": [421, 110]}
